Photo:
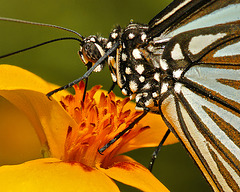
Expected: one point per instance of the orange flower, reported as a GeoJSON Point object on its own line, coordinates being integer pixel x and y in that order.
{"type": "Point", "coordinates": [70, 137]}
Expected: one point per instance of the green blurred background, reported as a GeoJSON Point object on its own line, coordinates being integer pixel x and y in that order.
{"type": "Point", "coordinates": [59, 63]}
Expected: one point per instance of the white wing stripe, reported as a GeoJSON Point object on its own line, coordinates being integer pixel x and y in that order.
{"type": "Point", "coordinates": [226, 14]}
{"type": "Point", "coordinates": [172, 12]}
{"type": "Point", "coordinates": [207, 77]}
{"type": "Point", "coordinates": [230, 50]}
{"type": "Point", "coordinates": [226, 165]}
{"type": "Point", "coordinates": [201, 142]}
{"type": "Point", "coordinates": [197, 102]}
{"type": "Point", "coordinates": [198, 43]}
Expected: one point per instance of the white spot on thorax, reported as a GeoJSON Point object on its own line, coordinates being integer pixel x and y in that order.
{"type": "Point", "coordinates": [143, 37]}
{"type": "Point", "coordinates": [163, 64]}
{"type": "Point", "coordinates": [177, 73]}
{"type": "Point", "coordinates": [136, 54]}
{"type": "Point", "coordinates": [138, 97]}
{"type": "Point", "coordinates": [157, 77]}
{"type": "Point", "coordinates": [131, 35]}
{"type": "Point", "coordinates": [124, 57]}
{"type": "Point", "coordinates": [128, 71]}
{"type": "Point", "coordinates": [176, 52]}
{"type": "Point", "coordinates": [155, 94]}
{"type": "Point", "coordinates": [109, 45]}
{"type": "Point", "coordinates": [141, 79]}
{"type": "Point", "coordinates": [114, 35]}
{"type": "Point", "coordinates": [164, 87]}
{"type": "Point", "coordinates": [133, 86]}
{"type": "Point", "coordinates": [147, 86]}
{"type": "Point", "coordinates": [198, 43]}
{"type": "Point", "coordinates": [139, 68]}
{"type": "Point", "coordinates": [145, 94]}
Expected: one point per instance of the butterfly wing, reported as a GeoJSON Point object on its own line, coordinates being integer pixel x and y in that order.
{"type": "Point", "coordinates": [185, 15]}
{"type": "Point", "coordinates": [206, 99]}
{"type": "Point", "coordinates": [202, 104]}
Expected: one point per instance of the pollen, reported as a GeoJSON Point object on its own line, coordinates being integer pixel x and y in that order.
{"type": "Point", "coordinates": [98, 122]}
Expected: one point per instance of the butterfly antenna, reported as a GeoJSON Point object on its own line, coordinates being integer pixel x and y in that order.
{"type": "Point", "coordinates": [40, 24]}
{"type": "Point", "coordinates": [40, 44]}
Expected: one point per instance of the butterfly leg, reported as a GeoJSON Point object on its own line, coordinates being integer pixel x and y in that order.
{"type": "Point", "coordinates": [112, 87]}
{"type": "Point", "coordinates": [156, 151]}
{"type": "Point", "coordinates": [124, 131]}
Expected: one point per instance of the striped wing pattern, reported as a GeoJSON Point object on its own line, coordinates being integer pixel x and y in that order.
{"type": "Point", "coordinates": [185, 65]}
{"type": "Point", "coordinates": [202, 107]}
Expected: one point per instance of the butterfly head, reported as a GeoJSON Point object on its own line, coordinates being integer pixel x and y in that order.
{"type": "Point", "coordinates": [91, 50]}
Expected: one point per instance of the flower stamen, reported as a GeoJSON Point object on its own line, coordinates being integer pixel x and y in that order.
{"type": "Point", "coordinates": [98, 123]}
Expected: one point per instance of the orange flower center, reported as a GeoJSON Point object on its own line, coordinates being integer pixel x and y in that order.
{"type": "Point", "coordinates": [98, 123]}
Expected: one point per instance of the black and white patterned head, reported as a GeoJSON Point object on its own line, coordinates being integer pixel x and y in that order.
{"type": "Point", "coordinates": [91, 50]}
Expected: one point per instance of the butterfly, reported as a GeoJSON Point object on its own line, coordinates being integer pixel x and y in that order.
{"type": "Point", "coordinates": [185, 66]}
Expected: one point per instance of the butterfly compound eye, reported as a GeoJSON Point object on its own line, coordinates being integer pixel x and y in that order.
{"type": "Point", "coordinates": [91, 50]}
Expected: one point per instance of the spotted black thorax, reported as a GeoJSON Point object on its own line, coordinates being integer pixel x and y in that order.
{"type": "Point", "coordinates": [134, 66]}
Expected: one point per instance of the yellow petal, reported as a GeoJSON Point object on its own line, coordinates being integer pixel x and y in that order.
{"type": "Point", "coordinates": [17, 143]}
{"type": "Point", "coordinates": [54, 175]}
{"type": "Point", "coordinates": [13, 77]}
{"type": "Point", "coordinates": [129, 172]}
{"type": "Point", "coordinates": [27, 92]}
{"type": "Point", "coordinates": [48, 118]}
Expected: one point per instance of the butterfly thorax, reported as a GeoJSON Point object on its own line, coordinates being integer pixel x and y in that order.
{"type": "Point", "coordinates": [134, 65]}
